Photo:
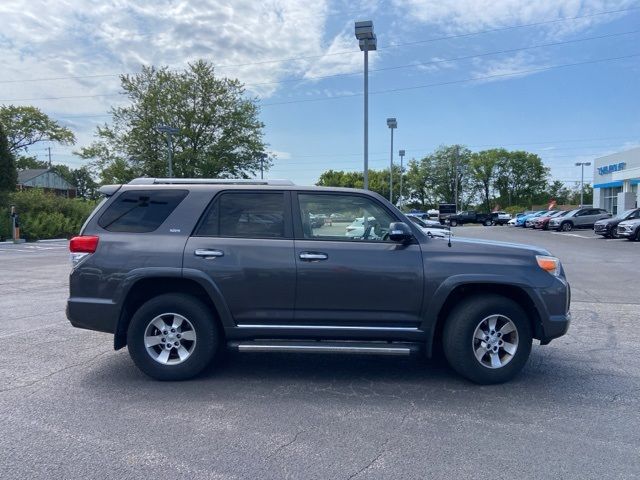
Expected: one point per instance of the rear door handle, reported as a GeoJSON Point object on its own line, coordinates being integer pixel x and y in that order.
{"type": "Point", "coordinates": [207, 253]}
{"type": "Point", "coordinates": [313, 256]}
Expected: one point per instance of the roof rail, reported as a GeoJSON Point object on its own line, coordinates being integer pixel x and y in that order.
{"type": "Point", "coordinates": [206, 181]}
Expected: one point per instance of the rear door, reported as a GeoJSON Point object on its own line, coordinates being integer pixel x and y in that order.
{"type": "Point", "coordinates": [244, 243]}
{"type": "Point", "coordinates": [344, 280]}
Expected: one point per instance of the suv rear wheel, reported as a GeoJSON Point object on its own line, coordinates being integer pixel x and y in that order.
{"type": "Point", "coordinates": [453, 223]}
{"type": "Point", "coordinates": [487, 339]}
{"type": "Point", "coordinates": [172, 337]}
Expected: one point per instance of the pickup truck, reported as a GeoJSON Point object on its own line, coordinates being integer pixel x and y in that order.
{"type": "Point", "coordinates": [470, 216]}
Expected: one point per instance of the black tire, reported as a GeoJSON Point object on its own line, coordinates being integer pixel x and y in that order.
{"type": "Point", "coordinates": [488, 223]}
{"type": "Point", "coordinates": [566, 226]}
{"type": "Point", "coordinates": [614, 232]}
{"type": "Point", "coordinates": [636, 237]}
{"type": "Point", "coordinates": [453, 223]}
{"type": "Point", "coordinates": [458, 338]}
{"type": "Point", "coordinates": [203, 322]}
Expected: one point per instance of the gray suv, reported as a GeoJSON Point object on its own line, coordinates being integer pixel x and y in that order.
{"type": "Point", "coordinates": [177, 269]}
{"type": "Point", "coordinates": [580, 218]}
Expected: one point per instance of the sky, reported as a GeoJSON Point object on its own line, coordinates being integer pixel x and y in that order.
{"type": "Point", "coordinates": [555, 77]}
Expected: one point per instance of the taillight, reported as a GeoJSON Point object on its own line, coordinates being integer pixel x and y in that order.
{"type": "Point", "coordinates": [81, 247]}
{"type": "Point", "coordinates": [84, 244]}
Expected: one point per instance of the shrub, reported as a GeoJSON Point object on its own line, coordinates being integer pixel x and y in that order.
{"type": "Point", "coordinates": [44, 215]}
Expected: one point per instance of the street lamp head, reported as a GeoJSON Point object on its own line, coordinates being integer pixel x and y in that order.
{"type": "Point", "coordinates": [392, 123]}
{"type": "Point", "coordinates": [587, 164]}
{"type": "Point", "coordinates": [578, 164]}
{"type": "Point", "coordinates": [364, 30]}
{"type": "Point", "coordinates": [366, 38]}
{"type": "Point", "coordinates": [401, 153]}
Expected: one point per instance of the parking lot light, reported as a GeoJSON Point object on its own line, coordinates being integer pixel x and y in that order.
{"type": "Point", "coordinates": [582, 164]}
{"type": "Point", "coordinates": [392, 124]}
{"type": "Point", "coordinates": [367, 41]}
{"type": "Point", "coordinates": [401, 153]}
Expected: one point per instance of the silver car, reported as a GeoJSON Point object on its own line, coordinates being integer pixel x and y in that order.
{"type": "Point", "coordinates": [630, 229]}
{"type": "Point", "coordinates": [579, 218]}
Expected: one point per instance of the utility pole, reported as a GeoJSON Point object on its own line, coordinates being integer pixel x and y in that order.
{"type": "Point", "coordinates": [582, 164]}
{"type": "Point", "coordinates": [456, 176]}
{"type": "Point", "coordinates": [170, 131]}
{"type": "Point", "coordinates": [49, 148]}
{"type": "Point", "coordinates": [391, 123]}
{"type": "Point", "coordinates": [263, 156]}
{"type": "Point", "coordinates": [401, 153]}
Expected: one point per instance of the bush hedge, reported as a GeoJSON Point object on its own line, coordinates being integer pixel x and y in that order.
{"type": "Point", "coordinates": [43, 215]}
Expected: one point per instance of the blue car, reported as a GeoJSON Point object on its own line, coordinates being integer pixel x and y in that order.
{"type": "Point", "coordinates": [520, 222]}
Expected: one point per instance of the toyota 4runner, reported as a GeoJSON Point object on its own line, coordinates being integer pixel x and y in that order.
{"type": "Point", "coordinates": [178, 269]}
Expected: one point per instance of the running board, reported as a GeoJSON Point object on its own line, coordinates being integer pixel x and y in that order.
{"type": "Point", "coordinates": [378, 348]}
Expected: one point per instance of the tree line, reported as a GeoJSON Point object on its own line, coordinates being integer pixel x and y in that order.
{"type": "Point", "coordinates": [495, 178]}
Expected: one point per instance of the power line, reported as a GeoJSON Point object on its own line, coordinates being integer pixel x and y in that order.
{"type": "Point", "coordinates": [379, 92]}
{"type": "Point", "coordinates": [346, 52]}
{"type": "Point", "coordinates": [453, 82]}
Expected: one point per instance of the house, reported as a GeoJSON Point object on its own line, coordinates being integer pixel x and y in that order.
{"type": "Point", "coordinates": [46, 179]}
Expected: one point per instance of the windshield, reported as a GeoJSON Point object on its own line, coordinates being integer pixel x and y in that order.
{"type": "Point", "coordinates": [417, 221]}
{"type": "Point", "coordinates": [625, 214]}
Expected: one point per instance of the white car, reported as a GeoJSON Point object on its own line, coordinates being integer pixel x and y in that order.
{"type": "Point", "coordinates": [431, 228]}
{"type": "Point", "coordinates": [356, 228]}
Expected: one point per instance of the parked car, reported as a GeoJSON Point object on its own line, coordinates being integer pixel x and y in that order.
{"type": "Point", "coordinates": [629, 229]}
{"type": "Point", "coordinates": [499, 218]}
{"type": "Point", "coordinates": [521, 221]}
{"type": "Point", "coordinates": [514, 219]}
{"type": "Point", "coordinates": [530, 222]}
{"type": "Point", "coordinates": [579, 218]}
{"type": "Point", "coordinates": [180, 276]}
{"type": "Point", "coordinates": [608, 227]}
{"type": "Point", "coordinates": [356, 229]}
{"type": "Point", "coordinates": [431, 228]}
{"type": "Point", "coordinates": [469, 216]}
{"type": "Point", "coordinates": [542, 222]}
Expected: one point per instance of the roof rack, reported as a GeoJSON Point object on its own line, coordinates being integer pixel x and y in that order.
{"type": "Point", "coordinates": [206, 181]}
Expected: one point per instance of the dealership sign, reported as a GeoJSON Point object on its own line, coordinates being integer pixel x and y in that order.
{"type": "Point", "coordinates": [616, 167]}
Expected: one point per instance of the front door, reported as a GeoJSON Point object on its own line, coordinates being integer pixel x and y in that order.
{"type": "Point", "coordinates": [349, 272]}
{"type": "Point", "coordinates": [244, 243]}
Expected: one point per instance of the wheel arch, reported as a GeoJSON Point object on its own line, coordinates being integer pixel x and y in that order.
{"type": "Point", "coordinates": [143, 288]}
{"type": "Point", "coordinates": [462, 291]}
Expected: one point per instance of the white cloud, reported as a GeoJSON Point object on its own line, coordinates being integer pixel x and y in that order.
{"type": "Point", "coordinates": [471, 15]}
{"type": "Point", "coordinates": [519, 65]}
{"type": "Point", "coordinates": [66, 38]}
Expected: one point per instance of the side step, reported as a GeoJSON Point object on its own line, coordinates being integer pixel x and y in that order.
{"type": "Point", "coordinates": [378, 348]}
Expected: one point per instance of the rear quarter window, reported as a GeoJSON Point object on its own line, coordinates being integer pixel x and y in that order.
{"type": "Point", "coordinates": [140, 211]}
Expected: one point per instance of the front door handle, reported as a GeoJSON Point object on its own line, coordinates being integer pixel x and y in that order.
{"type": "Point", "coordinates": [313, 256]}
{"type": "Point", "coordinates": [207, 253]}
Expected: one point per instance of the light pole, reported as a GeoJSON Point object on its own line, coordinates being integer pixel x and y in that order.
{"type": "Point", "coordinates": [169, 131]}
{"type": "Point", "coordinates": [367, 41]}
{"type": "Point", "coordinates": [391, 123]}
{"type": "Point", "coordinates": [401, 153]}
{"type": "Point", "coordinates": [582, 165]}
{"type": "Point", "coordinates": [263, 157]}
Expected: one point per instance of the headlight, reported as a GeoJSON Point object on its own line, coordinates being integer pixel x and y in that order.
{"type": "Point", "coordinates": [549, 264]}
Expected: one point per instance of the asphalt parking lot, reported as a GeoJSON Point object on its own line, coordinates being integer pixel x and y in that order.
{"type": "Point", "coordinates": [71, 407]}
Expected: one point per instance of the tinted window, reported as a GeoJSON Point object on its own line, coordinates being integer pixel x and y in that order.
{"type": "Point", "coordinates": [245, 215]}
{"type": "Point", "coordinates": [348, 217]}
{"type": "Point", "coordinates": [140, 211]}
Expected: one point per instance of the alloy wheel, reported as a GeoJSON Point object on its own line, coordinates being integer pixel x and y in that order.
{"type": "Point", "coordinates": [495, 341]}
{"type": "Point", "coordinates": [170, 339]}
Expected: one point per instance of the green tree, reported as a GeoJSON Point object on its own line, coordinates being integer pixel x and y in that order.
{"type": "Point", "coordinates": [8, 172]}
{"type": "Point", "coordinates": [559, 192]}
{"type": "Point", "coordinates": [26, 125]}
{"type": "Point", "coordinates": [521, 178]}
{"type": "Point", "coordinates": [378, 181]}
{"type": "Point", "coordinates": [483, 168]}
{"type": "Point", "coordinates": [220, 134]}
{"type": "Point", "coordinates": [24, 162]}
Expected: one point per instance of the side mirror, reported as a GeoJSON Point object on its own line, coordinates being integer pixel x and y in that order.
{"type": "Point", "coordinates": [400, 232]}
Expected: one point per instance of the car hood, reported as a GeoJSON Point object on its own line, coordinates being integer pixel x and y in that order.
{"type": "Point", "coordinates": [633, 222]}
{"type": "Point", "coordinates": [609, 221]}
{"type": "Point", "coordinates": [494, 246]}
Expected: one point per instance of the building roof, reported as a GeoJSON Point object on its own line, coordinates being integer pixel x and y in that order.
{"type": "Point", "coordinates": [30, 174]}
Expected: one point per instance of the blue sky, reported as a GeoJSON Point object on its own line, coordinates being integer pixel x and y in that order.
{"type": "Point", "coordinates": [565, 87]}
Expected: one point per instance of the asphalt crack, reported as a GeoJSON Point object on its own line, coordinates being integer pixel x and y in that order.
{"type": "Point", "coordinates": [283, 446]}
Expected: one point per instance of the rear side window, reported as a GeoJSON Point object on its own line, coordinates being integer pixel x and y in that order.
{"type": "Point", "coordinates": [245, 215]}
{"type": "Point", "coordinates": [140, 211]}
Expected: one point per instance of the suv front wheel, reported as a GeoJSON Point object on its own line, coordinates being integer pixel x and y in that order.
{"type": "Point", "coordinates": [172, 337]}
{"type": "Point", "coordinates": [487, 339]}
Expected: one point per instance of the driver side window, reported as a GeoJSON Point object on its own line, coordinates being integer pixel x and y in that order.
{"type": "Point", "coordinates": [343, 217]}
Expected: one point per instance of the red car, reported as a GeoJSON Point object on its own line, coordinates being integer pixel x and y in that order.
{"type": "Point", "coordinates": [543, 222]}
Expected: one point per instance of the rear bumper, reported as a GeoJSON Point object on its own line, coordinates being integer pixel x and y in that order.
{"type": "Point", "coordinates": [92, 314]}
